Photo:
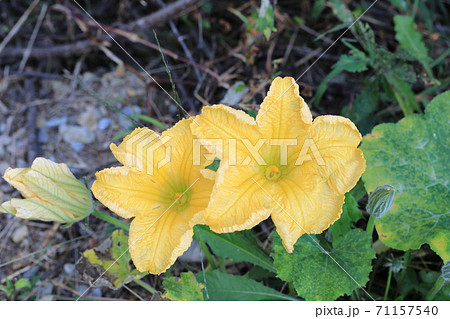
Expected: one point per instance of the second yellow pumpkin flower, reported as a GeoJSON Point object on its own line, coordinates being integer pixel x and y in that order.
{"type": "Point", "coordinates": [283, 164]}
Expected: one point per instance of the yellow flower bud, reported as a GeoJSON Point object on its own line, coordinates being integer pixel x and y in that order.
{"type": "Point", "coordinates": [51, 193]}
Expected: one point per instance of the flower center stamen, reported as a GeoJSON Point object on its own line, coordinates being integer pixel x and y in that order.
{"type": "Point", "coordinates": [272, 173]}
{"type": "Point", "coordinates": [181, 199]}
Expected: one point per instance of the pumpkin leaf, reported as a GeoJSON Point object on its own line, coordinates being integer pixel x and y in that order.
{"type": "Point", "coordinates": [413, 156]}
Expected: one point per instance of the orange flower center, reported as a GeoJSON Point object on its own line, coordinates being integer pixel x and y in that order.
{"type": "Point", "coordinates": [272, 173]}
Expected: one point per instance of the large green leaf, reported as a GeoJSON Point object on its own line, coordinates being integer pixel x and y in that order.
{"type": "Point", "coordinates": [185, 288]}
{"type": "Point", "coordinates": [222, 286]}
{"type": "Point", "coordinates": [413, 156]}
{"type": "Point", "coordinates": [239, 246]}
{"type": "Point", "coordinates": [350, 214]}
{"type": "Point", "coordinates": [325, 273]}
{"type": "Point", "coordinates": [411, 40]}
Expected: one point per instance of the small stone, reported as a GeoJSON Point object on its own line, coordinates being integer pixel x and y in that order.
{"type": "Point", "coordinates": [103, 123]}
{"type": "Point", "coordinates": [44, 290]}
{"type": "Point", "coordinates": [131, 92]}
{"type": "Point", "coordinates": [43, 135]}
{"type": "Point", "coordinates": [89, 119]}
{"type": "Point", "coordinates": [77, 146]}
{"type": "Point", "coordinates": [89, 77]}
{"type": "Point", "coordinates": [124, 120]}
{"type": "Point", "coordinates": [56, 121]}
{"type": "Point", "coordinates": [69, 268]}
{"type": "Point", "coordinates": [3, 167]}
{"type": "Point", "coordinates": [79, 134]}
{"type": "Point", "coordinates": [19, 234]}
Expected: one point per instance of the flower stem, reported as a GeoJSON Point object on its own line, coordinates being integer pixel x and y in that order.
{"type": "Point", "coordinates": [388, 286]}
{"type": "Point", "coordinates": [371, 224]}
{"type": "Point", "coordinates": [111, 220]}
{"type": "Point", "coordinates": [205, 249]}
{"type": "Point", "coordinates": [145, 286]}
{"type": "Point", "coordinates": [436, 287]}
{"type": "Point", "coordinates": [407, 259]}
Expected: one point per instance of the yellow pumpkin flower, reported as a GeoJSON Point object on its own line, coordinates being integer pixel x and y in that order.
{"type": "Point", "coordinates": [161, 188]}
{"type": "Point", "coordinates": [51, 193]}
{"type": "Point", "coordinates": [283, 165]}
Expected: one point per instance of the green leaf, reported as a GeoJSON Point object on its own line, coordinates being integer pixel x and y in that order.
{"type": "Point", "coordinates": [315, 270]}
{"type": "Point", "coordinates": [221, 287]}
{"type": "Point", "coordinates": [22, 283]}
{"type": "Point", "coordinates": [214, 166]}
{"type": "Point", "coordinates": [403, 94]}
{"type": "Point", "coordinates": [355, 62]}
{"type": "Point", "coordinates": [350, 214]}
{"type": "Point", "coordinates": [413, 156]}
{"type": "Point", "coordinates": [149, 119]}
{"type": "Point", "coordinates": [185, 288]}
{"type": "Point", "coordinates": [111, 256]}
{"type": "Point", "coordinates": [266, 19]}
{"type": "Point", "coordinates": [317, 8]}
{"type": "Point", "coordinates": [411, 40]}
{"type": "Point", "coordinates": [239, 246]}
{"type": "Point", "coordinates": [362, 111]}
{"type": "Point", "coordinates": [341, 11]}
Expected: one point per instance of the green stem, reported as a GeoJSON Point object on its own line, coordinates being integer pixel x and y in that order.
{"type": "Point", "coordinates": [111, 220]}
{"type": "Point", "coordinates": [145, 286]}
{"type": "Point", "coordinates": [292, 291]}
{"type": "Point", "coordinates": [205, 249]}
{"type": "Point", "coordinates": [388, 286]}
{"type": "Point", "coordinates": [407, 259]}
{"type": "Point", "coordinates": [436, 287]}
{"type": "Point", "coordinates": [371, 224]}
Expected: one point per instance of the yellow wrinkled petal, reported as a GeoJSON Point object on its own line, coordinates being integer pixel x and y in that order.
{"type": "Point", "coordinates": [283, 113]}
{"type": "Point", "coordinates": [157, 240]}
{"type": "Point", "coordinates": [237, 201]}
{"type": "Point", "coordinates": [304, 212]}
{"type": "Point", "coordinates": [200, 196]}
{"type": "Point", "coordinates": [141, 150]}
{"type": "Point", "coordinates": [220, 124]}
{"type": "Point", "coordinates": [126, 191]}
{"type": "Point", "coordinates": [181, 157]}
{"type": "Point", "coordinates": [337, 139]}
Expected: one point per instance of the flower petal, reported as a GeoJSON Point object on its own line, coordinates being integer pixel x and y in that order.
{"type": "Point", "coordinates": [304, 212]}
{"type": "Point", "coordinates": [180, 154]}
{"type": "Point", "coordinates": [237, 201]}
{"type": "Point", "coordinates": [337, 139]}
{"type": "Point", "coordinates": [200, 196]}
{"type": "Point", "coordinates": [142, 150]}
{"type": "Point", "coordinates": [158, 239]}
{"type": "Point", "coordinates": [6, 208]}
{"type": "Point", "coordinates": [220, 124]}
{"type": "Point", "coordinates": [38, 209]}
{"type": "Point", "coordinates": [126, 191]}
{"type": "Point", "coordinates": [61, 175]}
{"type": "Point", "coordinates": [283, 113]}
